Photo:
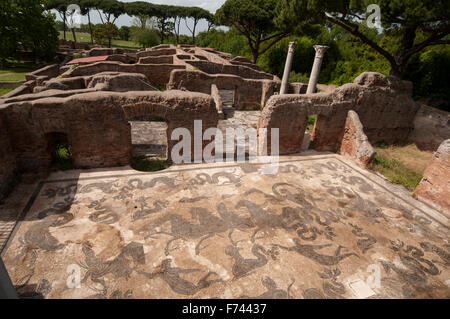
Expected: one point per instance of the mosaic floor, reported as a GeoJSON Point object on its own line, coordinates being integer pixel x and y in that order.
{"type": "Point", "coordinates": [319, 228]}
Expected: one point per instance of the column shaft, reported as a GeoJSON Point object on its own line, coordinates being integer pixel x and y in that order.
{"type": "Point", "coordinates": [287, 68]}
{"type": "Point", "coordinates": [315, 72]}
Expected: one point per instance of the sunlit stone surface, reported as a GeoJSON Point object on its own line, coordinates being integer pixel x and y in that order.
{"type": "Point", "coordinates": [319, 228]}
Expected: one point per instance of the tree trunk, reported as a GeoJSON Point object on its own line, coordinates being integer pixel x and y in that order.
{"type": "Point", "coordinates": [255, 56]}
{"type": "Point", "coordinates": [193, 32]}
{"type": "Point", "coordinates": [74, 36]}
{"type": "Point", "coordinates": [64, 15]}
{"type": "Point", "coordinates": [178, 30]}
{"type": "Point", "coordinates": [163, 28]}
{"type": "Point", "coordinates": [90, 28]}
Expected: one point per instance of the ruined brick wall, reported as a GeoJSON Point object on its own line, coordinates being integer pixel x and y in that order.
{"type": "Point", "coordinates": [248, 93]}
{"type": "Point", "coordinates": [383, 104]}
{"type": "Point", "coordinates": [7, 161]}
{"type": "Point", "coordinates": [165, 59]}
{"type": "Point", "coordinates": [49, 71]}
{"type": "Point", "coordinates": [156, 73]}
{"type": "Point", "coordinates": [239, 70]}
{"type": "Point", "coordinates": [157, 52]}
{"type": "Point", "coordinates": [94, 128]}
{"type": "Point", "coordinates": [434, 189]}
{"type": "Point", "coordinates": [355, 144]}
{"type": "Point", "coordinates": [96, 124]}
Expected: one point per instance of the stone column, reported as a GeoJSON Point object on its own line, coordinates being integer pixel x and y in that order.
{"type": "Point", "coordinates": [314, 78]}
{"type": "Point", "coordinates": [7, 290]}
{"type": "Point", "coordinates": [287, 68]}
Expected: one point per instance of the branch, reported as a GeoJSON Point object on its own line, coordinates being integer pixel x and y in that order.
{"type": "Point", "coordinates": [185, 21]}
{"type": "Point", "coordinates": [274, 36]}
{"type": "Point", "coordinates": [434, 39]}
{"type": "Point", "coordinates": [281, 36]}
{"type": "Point", "coordinates": [346, 25]}
{"type": "Point", "coordinates": [101, 18]}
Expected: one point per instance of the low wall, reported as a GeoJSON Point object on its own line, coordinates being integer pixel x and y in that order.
{"type": "Point", "coordinates": [157, 52]}
{"type": "Point", "coordinates": [96, 124]}
{"type": "Point", "coordinates": [156, 73]}
{"type": "Point", "coordinates": [50, 71]}
{"type": "Point", "coordinates": [383, 104]}
{"type": "Point", "coordinates": [239, 70]}
{"type": "Point", "coordinates": [164, 59]}
{"type": "Point", "coordinates": [434, 189]}
{"type": "Point", "coordinates": [11, 84]}
{"type": "Point", "coordinates": [248, 93]}
{"type": "Point", "coordinates": [431, 128]}
{"type": "Point", "coordinates": [7, 162]}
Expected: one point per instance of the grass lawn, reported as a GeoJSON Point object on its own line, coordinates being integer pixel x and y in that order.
{"type": "Point", "coordinates": [5, 91]}
{"type": "Point", "coordinates": [13, 77]}
{"type": "Point", "coordinates": [16, 70]}
{"type": "Point", "coordinates": [402, 165]}
{"type": "Point", "coordinates": [86, 38]}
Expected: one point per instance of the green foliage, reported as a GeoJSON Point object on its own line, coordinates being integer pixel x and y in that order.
{"type": "Point", "coordinates": [298, 77]}
{"type": "Point", "coordinates": [311, 122]}
{"type": "Point", "coordinates": [16, 33]}
{"type": "Point", "coordinates": [143, 164]}
{"type": "Point", "coordinates": [105, 33]}
{"type": "Point", "coordinates": [403, 20]}
{"type": "Point", "coordinates": [147, 38]}
{"type": "Point", "coordinates": [63, 157]}
{"type": "Point", "coordinates": [124, 32]}
{"type": "Point", "coordinates": [230, 41]}
{"type": "Point", "coordinates": [255, 20]}
{"type": "Point", "coordinates": [396, 172]}
{"type": "Point", "coordinates": [429, 73]}
{"type": "Point", "coordinates": [4, 91]}
{"type": "Point", "coordinates": [110, 8]}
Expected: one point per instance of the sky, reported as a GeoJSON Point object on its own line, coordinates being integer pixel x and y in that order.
{"type": "Point", "coordinates": [210, 5]}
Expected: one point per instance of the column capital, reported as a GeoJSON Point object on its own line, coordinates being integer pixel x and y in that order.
{"type": "Point", "coordinates": [320, 50]}
{"type": "Point", "coordinates": [292, 46]}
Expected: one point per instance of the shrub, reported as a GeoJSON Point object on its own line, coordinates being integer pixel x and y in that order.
{"type": "Point", "coordinates": [105, 33]}
{"type": "Point", "coordinates": [147, 38]}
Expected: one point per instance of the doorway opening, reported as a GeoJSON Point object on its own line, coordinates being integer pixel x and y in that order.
{"type": "Point", "coordinates": [310, 125]}
{"type": "Point", "coordinates": [227, 98]}
{"type": "Point", "coordinates": [60, 151]}
{"type": "Point", "coordinates": [149, 143]}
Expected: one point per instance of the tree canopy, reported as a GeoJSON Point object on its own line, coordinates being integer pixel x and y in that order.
{"type": "Point", "coordinates": [402, 19]}
{"type": "Point", "coordinates": [255, 20]}
{"type": "Point", "coordinates": [16, 17]}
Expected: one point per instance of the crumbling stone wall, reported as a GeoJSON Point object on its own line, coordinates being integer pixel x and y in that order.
{"type": "Point", "coordinates": [156, 52]}
{"type": "Point", "coordinates": [105, 81]}
{"type": "Point", "coordinates": [431, 128]}
{"type": "Point", "coordinates": [434, 189]}
{"type": "Point", "coordinates": [355, 143]}
{"type": "Point", "coordinates": [164, 59]}
{"type": "Point", "coordinates": [383, 104]}
{"type": "Point", "coordinates": [109, 51]}
{"type": "Point", "coordinates": [49, 71]}
{"type": "Point", "coordinates": [248, 93]}
{"type": "Point", "coordinates": [96, 124]}
{"type": "Point", "coordinates": [239, 70]}
{"type": "Point", "coordinates": [156, 73]}
{"type": "Point", "coordinates": [7, 161]}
